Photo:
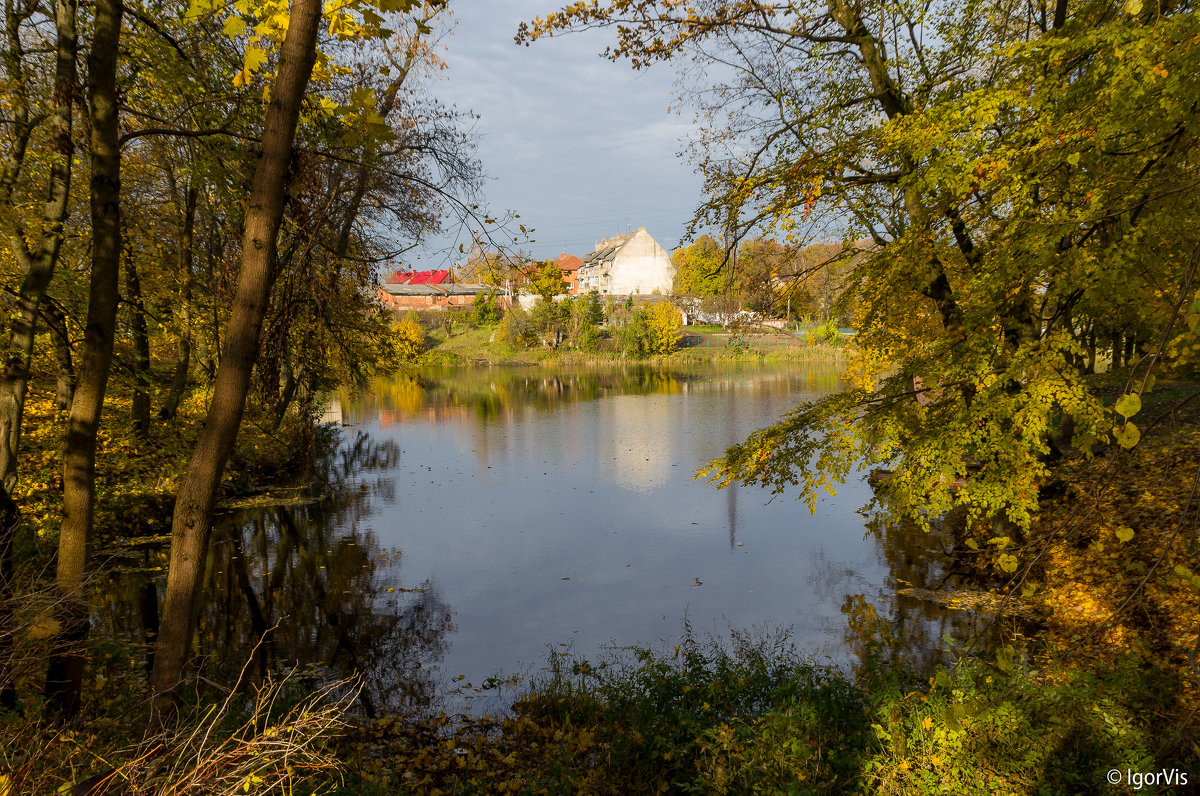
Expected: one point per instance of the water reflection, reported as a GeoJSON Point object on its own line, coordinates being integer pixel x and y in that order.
{"type": "Point", "coordinates": [475, 517]}
{"type": "Point", "coordinates": [911, 621]}
{"type": "Point", "coordinates": [558, 507]}
{"type": "Point", "coordinates": [499, 393]}
{"type": "Point", "coordinates": [302, 585]}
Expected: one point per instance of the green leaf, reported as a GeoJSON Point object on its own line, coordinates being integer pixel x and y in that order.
{"type": "Point", "coordinates": [952, 716]}
{"type": "Point", "coordinates": [1007, 562]}
{"type": "Point", "coordinates": [1133, 7]}
{"type": "Point", "coordinates": [1124, 533]}
{"type": "Point", "coordinates": [1128, 405]}
{"type": "Point", "coordinates": [1004, 659]}
{"type": "Point", "coordinates": [1127, 435]}
{"type": "Point", "coordinates": [1073, 158]}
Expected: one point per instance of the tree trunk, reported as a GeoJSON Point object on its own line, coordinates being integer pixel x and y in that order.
{"type": "Point", "coordinates": [37, 264]}
{"type": "Point", "coordinates": [56, 322]}
{"type": "Point", "coordinates": [1091, 350]}
{"type": "Point", "coordinates": [10, 517]}
{"type": "Point", "coordinates": [179, 380]}
{"type": "Point", "coordinates": [139, 413]}
{"type": "Point", "coordinates": [288, 391]}
{"type": "Point", "coordinates": [192, 519]}
{"type": "Point", "coordinates": [64, 676]}
{"type": "Point", "coordinates": [1117, 348]}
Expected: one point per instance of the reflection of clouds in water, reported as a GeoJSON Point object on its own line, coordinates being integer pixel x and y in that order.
{"type": "Point", "coordinates": [561, 506]}
{"type": "Point", "coordinates": [636, 438]}
{"type": "Point", "coordinates": [833, 580]}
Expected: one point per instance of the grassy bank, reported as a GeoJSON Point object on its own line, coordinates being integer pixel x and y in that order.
{"type": "Point", "coordinates": [481, 345]}
{"type": "Point", "coordinates": [748, 716]}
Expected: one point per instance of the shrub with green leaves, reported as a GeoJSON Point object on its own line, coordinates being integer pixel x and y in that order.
{"type": "Point", "coordinates": [484, 309]}
{"type": "Point", "coordinates": [749, 715]}
{"type": "Point", "coordinates": [827, 332]}
{"type": "Point", "coordinates": [517, 329]}
{"type": "Point", "coordinates": [985, 728]}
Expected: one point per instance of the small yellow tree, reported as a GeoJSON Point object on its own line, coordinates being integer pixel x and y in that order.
{"type": "Point", "coordinates": [408, 339]}
{"type": "Point", "coordinates": [665, 324]}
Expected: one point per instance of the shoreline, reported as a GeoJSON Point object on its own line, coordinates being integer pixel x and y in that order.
{"type": "Point", "coordinates": [473, 347]}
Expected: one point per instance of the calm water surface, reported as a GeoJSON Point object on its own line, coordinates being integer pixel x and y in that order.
{"type": "Point", "coordinates": [482, 518]}
{"type": "Point", "coordinates": [553, 508]}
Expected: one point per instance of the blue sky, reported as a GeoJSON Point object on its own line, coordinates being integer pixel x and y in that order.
{"type": "Point", "coordinates": [580, 146]}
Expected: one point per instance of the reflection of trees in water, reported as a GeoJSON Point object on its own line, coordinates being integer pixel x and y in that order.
{"type": "Point", "coordinates": [316, 590]}
{"type": "Point", "coordinates": [915, 632]}
{"type": "Point", "coordinates": [493, 393]}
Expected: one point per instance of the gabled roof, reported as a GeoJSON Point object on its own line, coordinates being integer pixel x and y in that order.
{"type": "Point", "coordinates": [419, 277]}
{"type": "Point", "coordinates": [607, 249]}
{"type": "Point", "coordinates": [569, 262]}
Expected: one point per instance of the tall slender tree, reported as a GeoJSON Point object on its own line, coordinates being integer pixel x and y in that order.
{"type": "Point", "coordinates": [64, 677]}
{"type": "Point", "coordinates": [197, 494]}
{"type": "Point", "coordinates": [35, 248]}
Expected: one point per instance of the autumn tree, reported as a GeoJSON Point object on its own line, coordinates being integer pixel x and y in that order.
{"type": "Point", "coordinates": [38, 152]}
{"type": "Point", "coordinates": [408, 338]}
{"type": "Point", "coordinates": [755, 275]}
{"type": "Point", "coordinates": [36, 158]}
{"type": "Point", "coordinates": [699, 268]}
{"type": "Point", "coordinates": [664, 326]}
{"type": "Point", "coordinates": [1010, 165]}
{"type": "Point", "coordinates": [359, 121]}
{"type": "Point", "coordinates": [546, 281]}
{"type": "Point", "coordinates": [64, 674]}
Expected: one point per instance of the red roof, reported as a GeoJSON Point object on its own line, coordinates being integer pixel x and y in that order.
{"type": "Point", "coordinates": [569, 262]}
{"type": "Point", "coordinates": [419, 277]}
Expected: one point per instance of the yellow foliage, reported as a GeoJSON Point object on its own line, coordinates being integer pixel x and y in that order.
{"type": "Point", "coordinates": [408, 339]}
{"type": "Point", "coordinates": [665, 324]}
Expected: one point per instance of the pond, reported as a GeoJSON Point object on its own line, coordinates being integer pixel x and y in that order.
{"type": "Point", "coordinates": [488, 517]}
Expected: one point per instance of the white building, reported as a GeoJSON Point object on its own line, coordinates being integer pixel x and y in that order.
{"type": "Point", "coordinates": [627, 264]}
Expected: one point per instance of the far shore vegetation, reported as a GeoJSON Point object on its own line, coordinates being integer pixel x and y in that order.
{"type": "Point", "coordinates": [552, 333]}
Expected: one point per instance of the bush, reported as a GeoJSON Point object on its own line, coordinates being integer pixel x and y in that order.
{"type": "Point", "coordinates": [752, 715]}
{"type": "Point", "coordinates": [665, 324]}
{"type": "Point", "coordinates": [652, 330]}
{"type": "Point", "coordinates": [827, 333]}
{"type": "Point", "coordinates": [988, 728]}
{"type": "Point", "coordinates": [581, 317]}
{"type": "Point", "coordinates": [484, 309]}
{"type": "Point", "coordinates": [635, 334]}
{"type": "Point", "coordinates": [407, 339]}
{"type": "Point", "coordinates": [549, 320]}
{"type": "Point", "coordinates": [516, 329]}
